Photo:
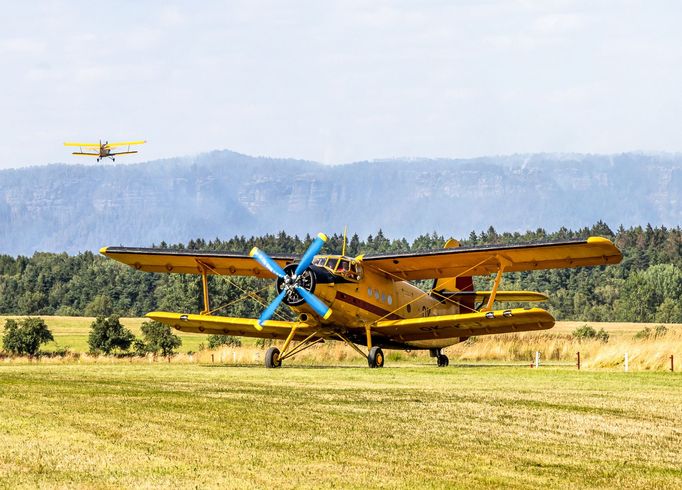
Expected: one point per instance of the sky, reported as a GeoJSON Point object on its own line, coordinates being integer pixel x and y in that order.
{"type": "Point", "coordinates": [340, 81]}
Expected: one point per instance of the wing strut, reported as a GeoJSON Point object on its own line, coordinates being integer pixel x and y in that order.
{"type": "Point", "coordinates": [204, 282]}
{"type": "Point", "coordinates": [503, 264]}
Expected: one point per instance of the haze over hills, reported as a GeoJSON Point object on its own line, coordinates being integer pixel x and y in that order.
{"type": "Point", "coordinates": [221, 194]}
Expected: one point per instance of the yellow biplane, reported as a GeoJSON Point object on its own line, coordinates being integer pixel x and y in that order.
{"type": "Point", "coordinates": [368, 302]}
{"type": "Point", "coordinates": [104, 150]}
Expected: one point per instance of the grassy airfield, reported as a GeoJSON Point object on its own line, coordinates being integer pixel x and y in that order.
{"type": "Point", "coordinates": [189, 425]}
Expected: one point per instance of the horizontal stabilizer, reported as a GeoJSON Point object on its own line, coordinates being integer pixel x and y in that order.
{"type": "Point", "coordinates": [501, 296]}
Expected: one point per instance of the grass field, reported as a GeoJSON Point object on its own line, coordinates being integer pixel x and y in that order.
{"type": "Point", "coordinates": [197, 426]}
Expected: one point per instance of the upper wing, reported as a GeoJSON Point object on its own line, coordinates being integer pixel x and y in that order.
{"type": "Point", "coordinates": [465, 325]}
{"type": "Point", "coordinates": [189, 262]}
{"type": "Point", "coordinates": [89, 145]}
{"type": "Point", "coordinates": [124, 143]}
{"type": "Point", "coordinates": [479, 261]}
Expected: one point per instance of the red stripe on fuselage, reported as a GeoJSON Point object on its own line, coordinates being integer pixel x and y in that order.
{"type": "Point", "coordinates": [352, 300]}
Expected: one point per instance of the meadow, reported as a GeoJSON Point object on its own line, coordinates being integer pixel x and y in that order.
{"type": "Point", "coordinates": [195, 426]}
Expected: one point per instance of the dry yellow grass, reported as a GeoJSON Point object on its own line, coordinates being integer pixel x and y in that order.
{"type": "Point", "coordinates": [555, 346]}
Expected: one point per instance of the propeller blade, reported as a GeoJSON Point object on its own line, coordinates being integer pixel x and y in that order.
{"type": "Point", "coordinates": [315, 303]}
{"type": "Point", "coordinates": [265, 260]}
{"type": "Point", "coordinates": [310, 254]}
{"type": "Point", "coordinates": [270, 310]}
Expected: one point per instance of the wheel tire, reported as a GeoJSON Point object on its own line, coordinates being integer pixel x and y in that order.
{"type": "Point", "coordinates": [443, 360]}
{"type": "Point", "coordinates": [272, 359]}
{"type": "Point", "coordinates": [376, 357]}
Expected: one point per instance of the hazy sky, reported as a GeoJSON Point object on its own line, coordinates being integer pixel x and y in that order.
{"type": "Point", "coordinates": [340, 81]}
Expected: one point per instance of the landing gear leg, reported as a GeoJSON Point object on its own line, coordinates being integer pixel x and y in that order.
{"type": "Point", "coordinates": [441, 359]}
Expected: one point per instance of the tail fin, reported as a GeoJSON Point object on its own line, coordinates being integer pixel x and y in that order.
{"type": "Point", "coordinates": [460, 283]}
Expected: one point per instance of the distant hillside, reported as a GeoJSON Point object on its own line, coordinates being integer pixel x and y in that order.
{"type": "Point", "coordinates": [222, 194]}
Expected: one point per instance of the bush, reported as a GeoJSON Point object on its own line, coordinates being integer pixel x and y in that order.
{"type": "Point", "coordinates": [158, 338]}
{"type": "Point", "coordinates": [649, 333]}
{"type": "Point", "coordinates": [26, 336]}
{"type": "Point", "coordinates": [589, 333]}
{"type": "Point", "coordinates": [263, 343]}
{"type": "Point", "coordinates": [107, 335]}
{"type": "Point", "coordinates": [215, 341]}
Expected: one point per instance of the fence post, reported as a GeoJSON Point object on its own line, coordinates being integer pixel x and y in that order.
{"type": "Point", "coordinates": [537, 359]}
{"type": "Point", "coordinates": [212, 361]}
{"type": "Point", "coordinates": [672, 364]}
{"type": "Point", "coordinates": [578, 363]}
{"type": "Point", "coordinates": [626, 362]}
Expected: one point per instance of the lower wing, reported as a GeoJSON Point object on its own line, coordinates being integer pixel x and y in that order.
{"type": "Point", "coordinates": [86, 154]}
{"type": "Point", "coordinates": [121, 153]}
{"type": "Point", "coordinates": [465, 325]}
{"type": "Point", "coordinates": [222, 325]}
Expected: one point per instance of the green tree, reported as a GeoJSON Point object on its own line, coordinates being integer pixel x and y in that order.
{"type": "Point", "coordinates": [215, 341]}
{"type": "Point", "coordinates": [108, 334]}
{"type": "Point", "coordinates": [26, 336]}
{"type": "Point", "coordinates": [159, 338]}
{"type": "Point", "coordinates": [100, 306]}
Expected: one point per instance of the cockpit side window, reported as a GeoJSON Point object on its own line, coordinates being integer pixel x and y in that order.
{"type": "Point", "coordinates": [331, 263]}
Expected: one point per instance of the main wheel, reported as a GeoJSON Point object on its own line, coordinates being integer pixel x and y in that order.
{"type": "Point", "coordinates": [376, 357]}
{"type": "Point", "coordinates": [443, 360]}
{"type": "Point", "coordinates": [272, 359]}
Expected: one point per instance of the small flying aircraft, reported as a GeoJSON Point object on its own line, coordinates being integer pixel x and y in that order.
{"type": "Point", "coordinates": [104, 150]}
{"type": "Point", "coordinates": [367, 301]}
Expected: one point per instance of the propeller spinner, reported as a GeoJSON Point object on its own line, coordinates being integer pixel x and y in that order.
{"type": "Point", "coordinates": [292, 282]}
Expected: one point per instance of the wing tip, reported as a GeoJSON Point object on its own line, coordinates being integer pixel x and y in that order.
{"type": "Point", "coordinates": [103, 250]}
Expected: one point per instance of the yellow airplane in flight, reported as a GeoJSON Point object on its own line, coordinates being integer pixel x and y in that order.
{"type": "Point", "coordinates": [104, 150]}
{"type": "Point", "coordinates": [367, 301]}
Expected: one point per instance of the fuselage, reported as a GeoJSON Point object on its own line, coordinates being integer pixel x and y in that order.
{"type": "Point", "coordinates": [360, 296]}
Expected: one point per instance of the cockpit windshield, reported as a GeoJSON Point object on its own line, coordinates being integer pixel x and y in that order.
{"type": "Point", "coordinates": [340, 266]}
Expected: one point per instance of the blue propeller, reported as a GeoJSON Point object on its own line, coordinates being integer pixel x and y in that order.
{"type": "Point", "coordinates": [291, 283]}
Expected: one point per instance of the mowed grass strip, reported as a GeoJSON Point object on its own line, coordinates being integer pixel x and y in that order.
{"type": "Point", "coordinates": [110, 426]}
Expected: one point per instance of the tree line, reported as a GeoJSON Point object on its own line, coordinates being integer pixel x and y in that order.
{"type": "Point", "coordinates": [645, 287]}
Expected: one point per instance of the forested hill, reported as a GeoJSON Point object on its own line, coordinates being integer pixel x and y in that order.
{"type": "Point", "coordinates": [645, 286]}
{"type": "Point", "coordinates": [221, 194]}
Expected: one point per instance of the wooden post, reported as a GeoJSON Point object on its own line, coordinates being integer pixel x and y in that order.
{"type": "Point", "coordinates": [578, 363]}
{"type": "Point", "coordinates": [672, 364]}
{"type": "Point", "coordinates": [626, 362]}
{"type": "Point", "coordinates": [212, 361]}
{"type": "Point", "coordinates": [537, 359]}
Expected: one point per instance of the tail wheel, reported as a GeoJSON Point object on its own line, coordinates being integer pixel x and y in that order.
{"type": "Point", "coordinates": [375, 359]}
{"type": "Point", "coordinates": [272, 359]}
{"type": "Point", "coordinates": [443, 360]}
